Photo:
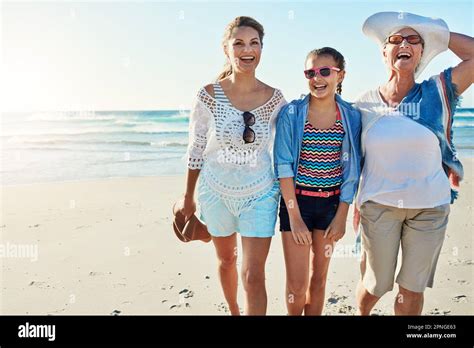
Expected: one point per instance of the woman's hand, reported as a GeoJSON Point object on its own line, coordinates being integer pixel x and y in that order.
{"type": "Point", "coordinates": [462, 46]}
{"type": "Point", "coordinates": [188, 207]}
{"type": "Point", "coordinates": [453, 178]}
{"type": "Point", "coordinates": [356, 220]}
{"type": "Point", "coordinates": [336, 229]}
{"type": "Point", "coordinates": [300, 232]}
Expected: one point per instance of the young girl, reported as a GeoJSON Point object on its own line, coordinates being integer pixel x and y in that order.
{"type": "Point", "coordinates": [317, 159]}
{"type": "Point", "coordinates": [231, 138]}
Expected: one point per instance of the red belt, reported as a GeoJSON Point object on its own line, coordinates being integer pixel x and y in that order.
{"type": "Point", "coordinates": [324, 194]}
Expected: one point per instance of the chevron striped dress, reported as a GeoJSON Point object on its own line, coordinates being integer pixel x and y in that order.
{"type": "Point", "coordinates": [320, 158]}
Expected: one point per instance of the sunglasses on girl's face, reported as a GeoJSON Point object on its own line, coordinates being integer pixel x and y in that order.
{"type": "Point", "coordinates": [324, 71]}
{"type": "Point", "coordinates": [249, 134]}
{"type": "Point", "coordinates": [398, 39]}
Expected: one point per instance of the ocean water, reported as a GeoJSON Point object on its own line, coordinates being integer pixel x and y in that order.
{"type": "Point", "coordinates": [69, 146]}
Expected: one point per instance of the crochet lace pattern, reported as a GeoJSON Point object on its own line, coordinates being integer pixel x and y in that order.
{"type": "Point", "coordinates": [233, 171]}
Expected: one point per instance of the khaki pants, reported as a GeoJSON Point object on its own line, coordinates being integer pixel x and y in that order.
{"type": "Point", "coordinates": [420, 232]}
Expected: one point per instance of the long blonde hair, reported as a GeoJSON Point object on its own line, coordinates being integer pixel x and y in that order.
{"type": "Point", "coordinates": [241, 21]}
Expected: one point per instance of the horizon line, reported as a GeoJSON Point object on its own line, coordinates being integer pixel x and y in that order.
{"type": "Point", "coordinates": [123, 110]}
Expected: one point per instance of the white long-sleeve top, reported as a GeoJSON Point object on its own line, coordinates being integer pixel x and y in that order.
{"type": "Point", "coordinates": [236, 172]}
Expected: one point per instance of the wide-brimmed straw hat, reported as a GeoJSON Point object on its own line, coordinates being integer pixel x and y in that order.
{"type": "Point", "coordinates": [434, 31]}
{"type": "Point", "coordinates": [189, 230]}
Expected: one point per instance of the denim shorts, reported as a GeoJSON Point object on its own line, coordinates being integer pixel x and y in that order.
{"type": "Point", "coordinates": [258, 221]}
{"type": "Point", "coordinates": [316, 212]}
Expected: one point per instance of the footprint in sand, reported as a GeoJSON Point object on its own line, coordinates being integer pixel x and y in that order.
{"type": "Point", "coordinates": [437, 311]}
{"type": "Point", "coordinates": [222, 307]}
{"type": "Point", "coordinates": [177, 306]}
{"type": "Point", "coordinates": [95, 274]}
{"type": "Point", "coordinates": [336, 305]}
{"type": "Point", "coordinates": [82, 226]}
{"type": "Point", "coordinates": [41, 285]}
{"type": "Point", "coordinates": [346, 309]}
{"type": "Point", "coordinates": [334, 298]}
{"type": "Point", "coordinates": [186, 293]}
{"type": "Point", "coordinates": [454, 262]}
{"type": "Point", "coordinates": [460, 299]}
{"type": "Point", "coordinates": [457, 262]}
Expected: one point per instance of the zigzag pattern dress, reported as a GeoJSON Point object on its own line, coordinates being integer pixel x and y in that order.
{"type": "Point", "coordinates": [320, 157]}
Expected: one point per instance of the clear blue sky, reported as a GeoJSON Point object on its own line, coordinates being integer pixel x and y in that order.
{"type": "Point", "coordinates": [156, 55]}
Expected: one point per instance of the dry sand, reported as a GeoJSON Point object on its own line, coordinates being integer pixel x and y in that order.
{"type": "Point", "coordinates": [107, 247]}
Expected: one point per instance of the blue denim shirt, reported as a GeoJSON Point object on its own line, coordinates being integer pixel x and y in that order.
{"type": "Point", "coordinates": [289, 136]}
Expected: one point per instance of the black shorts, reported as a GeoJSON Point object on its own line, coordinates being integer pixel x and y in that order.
{"type": "Point", "coordinates": [316, 212]}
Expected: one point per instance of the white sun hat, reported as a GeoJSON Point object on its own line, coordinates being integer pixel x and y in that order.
{"type": "Point", "coordinates": [434, 31]}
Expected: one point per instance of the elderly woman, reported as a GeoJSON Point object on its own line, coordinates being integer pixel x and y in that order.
{"type": "Point", "coordinates": [408, 158]}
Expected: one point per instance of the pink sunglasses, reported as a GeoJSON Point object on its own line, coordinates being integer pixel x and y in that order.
{"type": "Point", "coordinates": [324, 71]}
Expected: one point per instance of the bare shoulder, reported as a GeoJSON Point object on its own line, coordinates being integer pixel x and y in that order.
{"type": "Point", "coordinates": [209, 89]}
{"type": "Point", "coordinates": [266, 90]}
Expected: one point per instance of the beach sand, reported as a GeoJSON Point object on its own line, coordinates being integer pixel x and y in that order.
{"type": "Point", "coordinates": [107, 247]}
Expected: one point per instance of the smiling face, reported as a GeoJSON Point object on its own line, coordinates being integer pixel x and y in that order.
{"type": "Point", "coordinates": [403, 57]}
{"type": "Point", "coordinates": [243, 49]}
{"type": "Point", "coordinates": [319, 86]}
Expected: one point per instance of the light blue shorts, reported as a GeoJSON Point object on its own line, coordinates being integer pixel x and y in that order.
{"type": "Point", "coordinates": [259, 221]}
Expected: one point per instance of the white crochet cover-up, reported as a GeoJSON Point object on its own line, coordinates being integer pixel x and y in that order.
{"type": "Point", "coordinates": [234, 172]}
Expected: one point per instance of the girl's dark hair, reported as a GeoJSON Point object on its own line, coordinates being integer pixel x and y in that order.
{"type": "Point", "coordinates": [336, 55]}
{"type": "Point", "coordinates": [237, 22]}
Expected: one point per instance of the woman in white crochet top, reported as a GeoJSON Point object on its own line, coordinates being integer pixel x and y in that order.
{"type": "Point", "coordinates": [232, 126]}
